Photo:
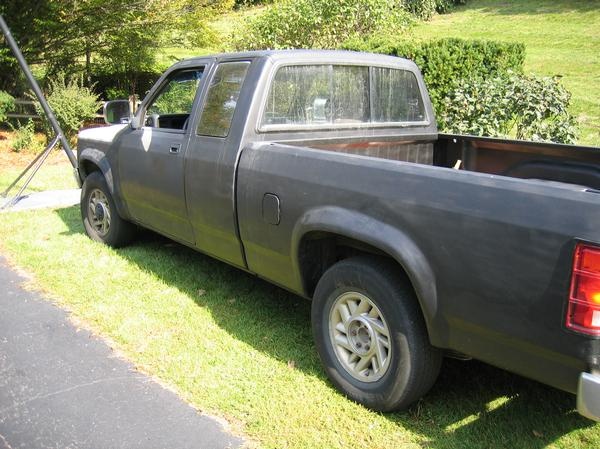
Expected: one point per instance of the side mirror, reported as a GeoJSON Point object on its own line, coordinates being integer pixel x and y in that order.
{"type": "Point", "coordinates": [117, 111]}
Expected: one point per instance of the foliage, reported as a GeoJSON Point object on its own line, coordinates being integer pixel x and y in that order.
{"type": "Point", "coordinates": [72, 103]}
{"type": "Point", "coordinates": [7, 103]}
{"type": "Point", "coordinates": [242, 3]}
{"type": "Point", "coordinates": [425, 9]}
{"type": "Point", "coordinates": [24, 137]}
{"type": "Point", "coordinates": [477, 88]}
{"type": "Point", "coordinates": [446, 62]}
{"type": "Point", "coordinates": [562, 37]}
{"type": "Point", "coordinates": [319, 23]}
{"type": "Point", "coordinates": [444, 6]}
{"type": "Point", "coordinates": [79, 36]}
{"type": "Point", "coordinates": [526, 107]}
{"type": "Point", "coordinates": [120, 85]}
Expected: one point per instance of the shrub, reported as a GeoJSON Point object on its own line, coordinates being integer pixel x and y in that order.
{"type": "Point", "coordinates": [24, 137]}
{"type": "Point", "coordinates": [320, 23]}
{"type": "Point", "coordinates": [477, 87]}
{"type": "Point", "coordinates": [72, 103]}
{"type": "Point", "coordinates": [445, 63]}
{"type": "Point", "coordinates": [7, 103]}
{"type": "Point", "coordinates": [425, 9]}
{"type": "Point", "coordinates": [526, 107]}
{"type": "Point", "coordinates": [242, 3]}
{"type": "Point", "coordinates": [444, 6]}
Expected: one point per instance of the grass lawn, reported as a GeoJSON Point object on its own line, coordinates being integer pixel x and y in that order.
{"type": "Point", "coordinates": [56, 173]}
{"type": "Point", "coordinates": [562, 37]}
{"type": "Point", "coordinates": [239, 348]}
{"type": "Point", "coordinates": [52, 176]}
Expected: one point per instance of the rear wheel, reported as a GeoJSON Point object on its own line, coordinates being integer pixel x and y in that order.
{"type": "Point", "coordinates": [99, 213]}
{"type": "Point", "coordinates": [371, 335]}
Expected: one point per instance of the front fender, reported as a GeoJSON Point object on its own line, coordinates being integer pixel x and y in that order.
{"type": "Point", "coordinates": [98, 158]}
{"type": "Point", "coordinates": [388, 239]}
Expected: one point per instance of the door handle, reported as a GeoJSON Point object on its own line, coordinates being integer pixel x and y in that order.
{"type": "Point", "coordinates": [174, 149]}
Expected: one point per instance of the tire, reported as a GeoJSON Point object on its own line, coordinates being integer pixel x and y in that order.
{"type": "Point", "coordinates": [101, 220]}
{"type": "Point", "coordinates": [384, 373]}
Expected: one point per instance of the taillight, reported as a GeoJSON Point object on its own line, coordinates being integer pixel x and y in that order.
{"type": "Point", "coordinates": [583, 314]}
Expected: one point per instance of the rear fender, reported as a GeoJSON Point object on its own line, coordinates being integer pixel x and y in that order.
{"type": "Point", "coordinates": [390, 240]}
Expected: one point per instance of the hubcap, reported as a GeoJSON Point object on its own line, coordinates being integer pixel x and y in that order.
{"type": "Point", "coordinates": [360, 337]}
{"type": "Point", "coordinates": [99, 212]}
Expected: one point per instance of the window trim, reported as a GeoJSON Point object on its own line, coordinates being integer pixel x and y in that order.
{"type": "Point", "coordinates": [269, 128]}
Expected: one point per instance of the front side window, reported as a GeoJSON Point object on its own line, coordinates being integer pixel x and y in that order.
{"type": "Point", "coordinates": [172, 106]}
{"type": "Point", "coordinates": [222, 98]}
{"type": "Point", "coordinates": [312, 95]}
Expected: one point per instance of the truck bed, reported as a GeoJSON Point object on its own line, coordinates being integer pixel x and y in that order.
{"type": "Point", "coordinates": [489, 255]}
{"type": "Point", "coordinates": [513, 158]}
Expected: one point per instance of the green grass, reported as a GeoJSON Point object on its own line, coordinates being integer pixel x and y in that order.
{"type": "Point", "coordinates": [49, 177]}
{"type": "Point", "coordinates": [239, 348]}
{"type": "Point", "coordinates": [562, 37]}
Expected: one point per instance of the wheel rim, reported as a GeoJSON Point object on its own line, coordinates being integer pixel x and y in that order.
{"type": "Point", "coordinates": [360, 337]}
{"type": "Point", "coordinates": [99, 212]}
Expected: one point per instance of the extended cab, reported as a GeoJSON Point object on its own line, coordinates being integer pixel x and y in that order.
{"type": "Point", "coordinates": [323, 172]}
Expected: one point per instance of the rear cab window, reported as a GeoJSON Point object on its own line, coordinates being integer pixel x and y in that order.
{"type": "Point", "coordinates": [332, 96]}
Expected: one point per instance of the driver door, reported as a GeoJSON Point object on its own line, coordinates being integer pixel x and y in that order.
{"type": "Point", "coordinates": [152, 157]}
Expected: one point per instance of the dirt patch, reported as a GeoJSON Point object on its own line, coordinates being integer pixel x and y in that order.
{"type": "Point", "coordinates": [11, 159]}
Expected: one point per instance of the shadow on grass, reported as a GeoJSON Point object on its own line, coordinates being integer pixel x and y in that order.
{"type": "Point", "coordinates": [533, 7]}
{"type": "Point", "coordinates": [472, 405]}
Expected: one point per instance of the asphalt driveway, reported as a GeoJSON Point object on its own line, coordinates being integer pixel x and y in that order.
{"type": "Point", "coordinates": [61, 387]}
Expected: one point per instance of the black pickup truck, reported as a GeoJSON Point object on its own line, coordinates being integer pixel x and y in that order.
{"type": "Point", "coordinates": [323, 172]}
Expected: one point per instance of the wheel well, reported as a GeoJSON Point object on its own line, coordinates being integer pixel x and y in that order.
{"type": "Point", "coordinates": [88, 167]}
{"type": "Point", "coordinates": [318, 251]}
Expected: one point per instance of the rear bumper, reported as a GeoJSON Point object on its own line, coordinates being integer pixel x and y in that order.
{"type": "Point", "coordinates": [588, 396]}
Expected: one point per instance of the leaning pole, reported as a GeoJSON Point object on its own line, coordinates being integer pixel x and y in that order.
{"type": "Point", "coordinates": [59, 134]}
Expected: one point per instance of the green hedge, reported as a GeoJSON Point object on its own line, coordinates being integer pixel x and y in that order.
{"type": "Point", "coordinates": [445, 62]}
{"type": "Point", "coordinates": [478, 88]}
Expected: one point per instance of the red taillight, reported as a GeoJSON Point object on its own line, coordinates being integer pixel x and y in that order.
{"type": "Point", "coordinates": [583, 313]}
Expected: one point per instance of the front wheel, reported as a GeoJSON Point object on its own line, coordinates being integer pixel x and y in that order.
{"type": "Point", "coordinates": [371, 336]}
{"type": "Point", "coordinates": [101, 220]}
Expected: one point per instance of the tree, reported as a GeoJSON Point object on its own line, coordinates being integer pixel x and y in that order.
{"type": "Point", "coordinates": [320, 23]}
{"type": "Point", "coordinates": [65, 36]}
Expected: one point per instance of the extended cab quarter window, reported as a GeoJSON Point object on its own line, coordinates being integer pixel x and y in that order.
{"type": "Point", "coordinates": [341, 95]}
{"type": "Point", "coordinates": [222, 99]}
{"type": "Point", "coordinates": [172, 106]}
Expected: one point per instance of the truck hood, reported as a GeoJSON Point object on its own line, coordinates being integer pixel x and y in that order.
{"type": "Point", "coordinates": [103, 134]}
